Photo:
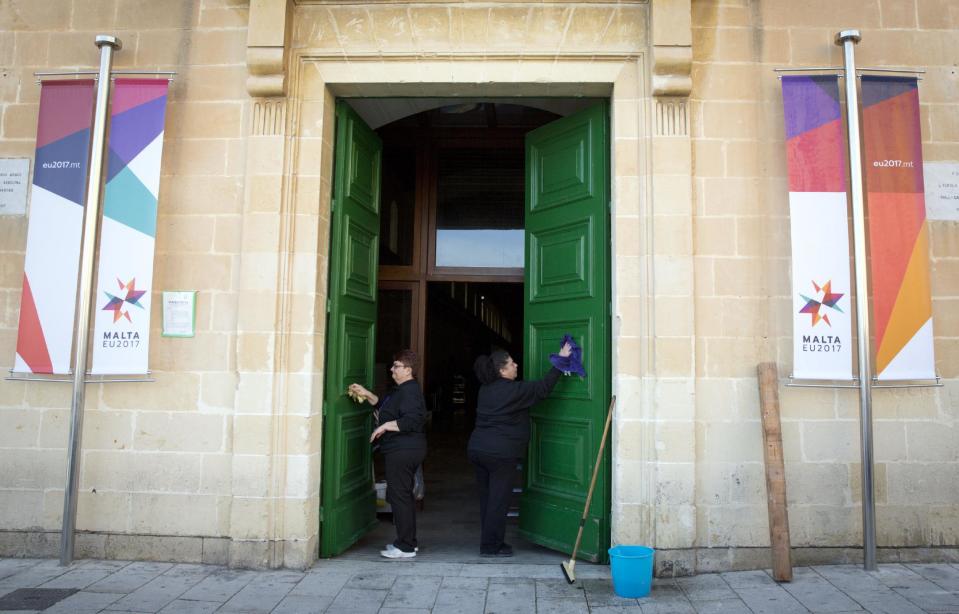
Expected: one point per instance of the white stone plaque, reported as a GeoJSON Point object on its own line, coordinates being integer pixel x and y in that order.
{"type": "Point", "coordinates": [179, 314]}
{"type": "Point", "coordinates": [942, 190]}
{"type": "Point", "coordinates": [14, 179]}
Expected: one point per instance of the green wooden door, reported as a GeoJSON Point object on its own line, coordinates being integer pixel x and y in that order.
{"type": "Point", "coordinates": [567, 291]}
{"type": "Point", "coordinates": [348, 506]}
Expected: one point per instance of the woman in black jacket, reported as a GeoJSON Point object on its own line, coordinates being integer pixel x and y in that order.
{"type": "Point", "coordinates": [402, 414]}
{"type": "Point", "coordinates": [500, 438]}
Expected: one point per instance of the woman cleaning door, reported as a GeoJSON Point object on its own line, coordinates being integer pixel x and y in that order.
{"type": "Point", "coordinates": [500, 438]}
{"type": "Point", "coordinates": [402, 414]}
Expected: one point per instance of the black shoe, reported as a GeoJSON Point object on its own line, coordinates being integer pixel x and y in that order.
{"type": "Point", "coordinates": [504, 551]}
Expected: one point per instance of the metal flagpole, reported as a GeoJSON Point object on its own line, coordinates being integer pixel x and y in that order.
{"type": "Point", "coordinates": [847, 39]}
{"type": "Point", "coordinates": [107, 45]}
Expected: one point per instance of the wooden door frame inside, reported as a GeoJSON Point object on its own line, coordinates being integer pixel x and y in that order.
{"type": "Point", "coordinates": [428, 143]}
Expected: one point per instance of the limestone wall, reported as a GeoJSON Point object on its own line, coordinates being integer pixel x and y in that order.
{"type": "Point", "coordinates": [158, 457]}
{"type": "Point", "coordinates": [742, 296]}
{"type": "Point", "coordinates": [219, 459]}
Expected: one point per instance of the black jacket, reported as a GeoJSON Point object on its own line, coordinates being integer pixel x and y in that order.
{"type": "Point", "coordinates": [404, 404]}
{"type": "Point", "coordinates": [502, 415]}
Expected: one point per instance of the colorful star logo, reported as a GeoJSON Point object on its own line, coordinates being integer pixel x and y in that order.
{"type": "Point", "coordinates": [115, 304]}
{"type": "Point", "coordinates": [826, 298]}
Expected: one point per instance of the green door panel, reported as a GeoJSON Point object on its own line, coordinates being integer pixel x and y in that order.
{"type": "Point", "coordinates": [348, 505]}
{"type": "Point", "coordinates": [567, 291]}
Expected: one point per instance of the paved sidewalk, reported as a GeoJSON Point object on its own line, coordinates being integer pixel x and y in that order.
{"type": "Point", "coordinates": [413, 587]}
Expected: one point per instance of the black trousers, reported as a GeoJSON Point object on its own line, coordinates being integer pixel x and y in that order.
{"type": "Point", "coordinates": [400, 468]}
{"type": "Point", "coordinates": [494, 478]}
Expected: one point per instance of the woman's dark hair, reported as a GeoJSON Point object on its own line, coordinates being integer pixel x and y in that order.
{"type": "Point", "coordinates": [408, 358]}
{"type": "Point", "coordinates": [487, 368]}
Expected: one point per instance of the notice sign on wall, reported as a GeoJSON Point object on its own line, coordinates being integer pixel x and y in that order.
{"type": "Point", "coordinates": [179, 314]}
{"type": "Point", "coordinates": [14, 178]}
{"type": "Point", "coordinates": [942, 190]}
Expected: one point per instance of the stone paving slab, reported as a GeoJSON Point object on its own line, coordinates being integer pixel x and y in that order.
{"type": "Point", "coordinates": [668, 608]}
{"type": "Point", "coordinates": [358, 601]}
{"type": "Point", "coordinates": [562, 606]}
{"type": "Point", "coordinates": [425, 587]}
{"type": "Point", "coordinates": [321, 583]}
{"type": "Point", "coordinates": [10, 567]}
{"type": "Point", "coordinates": [616, 609]}
{"type": "Point", "coordinates": [467, 583]}
{"type": "Point", "coordinates": [413, 592]}
{"type": "Point", "coordinates": [129, 578]}
{"type": "Point", "coordinates": [304, 604]}
{"type": "Point", "coordinates": [221, 585]}
{"type": "Point", "coordinates": [183, 606]}
{"type": "Point", "coordinates": [706, 587]}
{"type": "Point", "coordinates": [559, 589]}
{"type": "Point", "coordinates": [84, 603]}
{"type": "Point", "coordinates": [600, 593]}
{"type": "Point", "coordinates": [721, 606]}
{"type": "Point", "coordinates": [513, 595]}
{"type": "Point", "coordinates": [943, 575]}
{"type": "Point", "coordinates": [375, 580]}
{"type": "Point", "coordinates": [816, 594]}
{"type": "Point", "coordinates": [34, 576]}
{"type": "Point", "coordinates": [451, 600]}
{"type": "Point", "coordinates": [156, 594]}
{"type": "Point", "coordinates": [667, 598]}
{"type": "Point", "coordinates": [865, 589]}
{"type": "Point", "coordinates": [771, 600]}
{"type": "Point", "coordinates": [263, 593]}
{"type": "Point", "coordinates": [78, 578]}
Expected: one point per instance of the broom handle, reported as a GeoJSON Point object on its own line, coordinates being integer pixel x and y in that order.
{"type": "Point", "coordinates": [592, 482]}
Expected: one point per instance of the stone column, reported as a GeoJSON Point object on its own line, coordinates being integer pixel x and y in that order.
{"type": "Point", "coordinates": [672, 372]}
{"type": "Point", "coordinates": [273, 517]}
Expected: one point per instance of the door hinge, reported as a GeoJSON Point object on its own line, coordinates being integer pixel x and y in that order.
{"type": "Point", "coordinates": [329, 305]}
{"type": "Point", "coordinates": [321, 513]}
{"type": "Point", "coordinates": [332, 204]}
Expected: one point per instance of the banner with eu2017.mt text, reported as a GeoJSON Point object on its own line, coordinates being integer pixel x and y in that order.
{"type": "Point", "coordinates": [48, 297]}
{"type": "Point", "coordinates": [898, 236]}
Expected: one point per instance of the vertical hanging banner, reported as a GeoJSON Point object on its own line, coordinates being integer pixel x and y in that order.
{"type": "Point", "coordinates": [822, 325]}
{"type": "Point", "coordinates": [48, 299]}
{"type": "Point", "coordinates": [121, 337]}
{"type": "Point", "coordinates": [898, 238]}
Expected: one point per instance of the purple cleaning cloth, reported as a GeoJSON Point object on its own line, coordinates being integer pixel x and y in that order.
{"type": "Point", "coordinates": [572, 363]}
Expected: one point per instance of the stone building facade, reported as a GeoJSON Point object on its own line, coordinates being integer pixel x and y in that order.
{"type": "Point", "coordinates": [219, 459]}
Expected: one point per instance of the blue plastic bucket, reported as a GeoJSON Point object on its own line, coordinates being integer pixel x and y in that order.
{"type": "Point", "coordinates": [632, 569]}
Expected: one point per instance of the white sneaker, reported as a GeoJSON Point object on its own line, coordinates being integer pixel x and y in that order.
{"type": "Point", "coordinates": [396, 553]}
{"type": "Point", "coordinates": [392, 547]}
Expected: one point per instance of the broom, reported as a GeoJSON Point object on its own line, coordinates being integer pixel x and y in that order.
{"type": "Point", "coordinates": [569, 567]}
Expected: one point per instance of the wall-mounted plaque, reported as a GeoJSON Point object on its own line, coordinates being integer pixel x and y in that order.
{"type": "Point", "coordinates": [14, 179]}
{"type": "Point", "coordinates": [179, 314]}
{"type": "Point", "coordinates": [942, 190]}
